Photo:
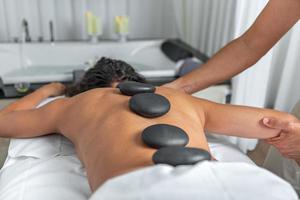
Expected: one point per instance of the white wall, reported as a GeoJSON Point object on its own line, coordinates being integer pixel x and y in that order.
{"type": "Point", "coordinates": [250, 87]}
{"type": "Point", "coordinates": [288, 93]}
{"type": "Point", "coordinates": [205, 24]}
{"type": "Point", "coordinates": [273, 81]}
{"type": "Point", "coordinates": [148, 17]}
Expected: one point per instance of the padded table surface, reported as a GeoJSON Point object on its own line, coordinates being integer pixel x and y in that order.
{"type": "Point", "coordinates": [48, 168]}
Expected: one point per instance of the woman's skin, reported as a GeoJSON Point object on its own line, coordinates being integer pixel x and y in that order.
{"type": "Point", "coordinates": [277, 18]}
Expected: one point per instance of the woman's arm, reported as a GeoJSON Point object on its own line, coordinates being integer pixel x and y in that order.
{"type": "Point", "coordinates": [276, 19]}
{"type": "Point", "coordinates": [21, 119]}
{"type": "Point", "coordinates": [32, 122]}
{"type": "Point", "coordinates": [239, 121]}
{"type": "Point", "coordinates": [32, 100]}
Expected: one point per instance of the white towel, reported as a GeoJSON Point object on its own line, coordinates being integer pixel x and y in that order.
{"type": "Point", "coordinates": [204, 181]}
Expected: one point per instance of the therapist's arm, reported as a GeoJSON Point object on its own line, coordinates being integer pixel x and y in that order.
{"type": "Point", "coordinates": [239, 121]}
{"type": "Point", "coordinates": [275, 20]}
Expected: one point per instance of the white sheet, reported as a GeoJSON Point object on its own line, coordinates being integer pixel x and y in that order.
{"type": "Point", "coordinates": [48, 167]}
{"type": "Point", "coordinates": [204, 181]}
{"type": "Point", "coordinates": [54, 178]}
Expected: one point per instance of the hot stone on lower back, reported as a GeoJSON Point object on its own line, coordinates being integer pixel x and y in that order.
{"type": "Point", "coordinates": [164, 135]}
{"type": "Point", "coordinates": [180, 156]}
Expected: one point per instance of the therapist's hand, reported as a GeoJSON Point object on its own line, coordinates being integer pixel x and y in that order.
{"type": "Point", "coordinates": [53, 89]}
{"type": "Point", "coordinates": [288, 141]}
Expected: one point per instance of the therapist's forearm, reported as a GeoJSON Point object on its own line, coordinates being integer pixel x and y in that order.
{"type": "Point", "coordinates": [229, 61]}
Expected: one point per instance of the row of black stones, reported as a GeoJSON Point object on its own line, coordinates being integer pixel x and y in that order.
{"type": "Point", "coordinates": [168, 139]}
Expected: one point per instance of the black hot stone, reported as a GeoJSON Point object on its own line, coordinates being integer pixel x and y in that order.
{"type": "Point", "coordinates": [131, 88]}
{"type": "Point", "coordinates": [149, 105]}
{"type": "Point", "coordinates": [164, 135]}
{"type": "Point", "coordinates": [180, 156]}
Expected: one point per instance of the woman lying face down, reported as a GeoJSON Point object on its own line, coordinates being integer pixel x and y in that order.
{"type": "Point", "coordinates": [107, 132]}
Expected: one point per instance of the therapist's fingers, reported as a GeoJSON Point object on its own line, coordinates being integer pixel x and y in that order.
{"type": "Point", "coordinates": [278, 138]}
{"type": "Point", "coordinates": [274, 123]}
{"type": "Point", "coordinates": [293, 133]}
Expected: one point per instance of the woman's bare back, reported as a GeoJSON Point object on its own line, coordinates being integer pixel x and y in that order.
{"type": "Point", "coordinates": [107, 134]}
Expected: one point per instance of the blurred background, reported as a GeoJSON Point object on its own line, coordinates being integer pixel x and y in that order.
{"type": "Point", "coordinates": [207, 24]}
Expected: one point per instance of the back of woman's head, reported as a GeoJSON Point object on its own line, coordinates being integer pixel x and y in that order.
{"type": "Point", "coordinates": [105, 73]}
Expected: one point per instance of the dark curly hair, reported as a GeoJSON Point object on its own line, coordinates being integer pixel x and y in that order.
{"type": "Point", "coordinates": [106, 72]}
